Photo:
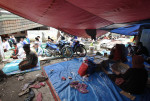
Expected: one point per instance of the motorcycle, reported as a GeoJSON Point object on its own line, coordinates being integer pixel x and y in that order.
{"type": "Point", "coordinates": [63, 48]}
{"type": "Point", "coordinates": [59, 49]}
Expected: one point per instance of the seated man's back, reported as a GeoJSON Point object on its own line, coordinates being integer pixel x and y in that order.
{"type": "Point", "coordinates": [31, 59]}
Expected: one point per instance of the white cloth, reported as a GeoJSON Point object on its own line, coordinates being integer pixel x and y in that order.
{"type": "Point", "coordinates": [21, 54]}
{"type": "Point", "coordinates": [6, 45]}
{"type": "Point", "coordinates": [38, 42]}
{"type": "Point", "coordinates": [40, 39]}
{"type": "Point", "coordinates": [40, 51]}
{"type": "Point", "coordinates": [21, 43]}
{"type": "Point", "coordinates": [69, 40]}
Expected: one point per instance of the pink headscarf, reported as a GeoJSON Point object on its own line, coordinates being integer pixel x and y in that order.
{"type": "Point", "coordinates": [119, 54]}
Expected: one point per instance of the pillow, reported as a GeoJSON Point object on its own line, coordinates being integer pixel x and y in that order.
{"type": "Point", "coordinates": [83, 69]}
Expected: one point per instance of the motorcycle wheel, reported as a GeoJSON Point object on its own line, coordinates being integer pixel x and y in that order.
{"type": "Point", "coordinates": [81, 51]}
{"type": "Point", "coordinates": [67, 52]}
{"type": "Point", "coordinates": [48, 53]}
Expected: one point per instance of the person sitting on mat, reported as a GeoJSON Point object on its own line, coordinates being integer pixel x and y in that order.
{"type": "Point", "coordinates": [118, 54]}
{"type": "Point", "coordinates": [141, 50]}
{"type": "Point", "coordinates": [14, 55]}
{"type": "Point", "coordinates": [31, 59]}
{"type": "Point", "coordinates": [134, 79]}
{"type": "Point", "coordinates": [38, 49]}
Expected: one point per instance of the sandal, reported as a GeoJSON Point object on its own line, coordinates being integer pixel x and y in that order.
{"type": "Point", "coordinates": [42, 84]}
{"type": "Point", "coordinates": [41, 79]}
{"type": "Point", "coordinates": [27, 84]}
{"type": "Point", "coordinates": [37, 86]}
{"type": "Point", "coordinates": [23, 92]}
{"type": "Point", "coordinates": [39, 97]}
{"type": "Point", "coordinates": [30, 96]}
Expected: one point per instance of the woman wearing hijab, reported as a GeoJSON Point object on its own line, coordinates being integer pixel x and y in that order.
{"type": "Point", "coordinates": [119, 53]}
{"type": "Point", "coordinates": [134, 79]}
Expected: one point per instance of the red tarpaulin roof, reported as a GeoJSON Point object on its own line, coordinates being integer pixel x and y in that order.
{"type": "Point", "coordinates": [74, 16]}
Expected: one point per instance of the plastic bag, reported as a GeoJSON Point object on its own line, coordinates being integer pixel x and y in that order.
{"type": "Point", "coordinates": [10, 67]}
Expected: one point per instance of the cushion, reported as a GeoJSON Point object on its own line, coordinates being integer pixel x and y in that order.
{"type": "Point", "coordinates": [83, 69]}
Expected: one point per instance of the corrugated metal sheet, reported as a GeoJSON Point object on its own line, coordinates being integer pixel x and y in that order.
{"type": "Point", "coordinates": [12, 26]}
{"type": "Point", "coordinates": [10, 23]}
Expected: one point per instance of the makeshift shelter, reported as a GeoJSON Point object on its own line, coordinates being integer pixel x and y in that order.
{"type": "Point", "coordinates": [78, 17]}
{"type": "Point", "coordinates": [74, 16]}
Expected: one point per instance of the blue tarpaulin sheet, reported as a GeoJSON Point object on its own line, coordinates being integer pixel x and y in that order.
{"type": "Point", "coordinates": [100, 87]}
{"type": "Point", "coordinates": [129, 30]}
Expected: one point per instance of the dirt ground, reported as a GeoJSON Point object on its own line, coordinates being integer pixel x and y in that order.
{"type": "Point", "coordinates": [11, 87]}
